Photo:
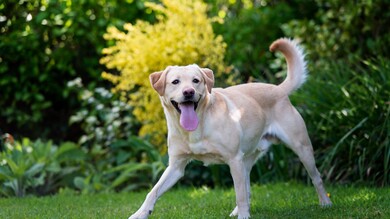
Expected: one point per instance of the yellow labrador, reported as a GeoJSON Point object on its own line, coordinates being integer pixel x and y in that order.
{"type": "Point", "coordinates": [235, 125]}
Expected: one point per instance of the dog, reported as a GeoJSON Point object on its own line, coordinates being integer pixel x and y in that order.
{"type": "Point", "coordinates": [234, 126]}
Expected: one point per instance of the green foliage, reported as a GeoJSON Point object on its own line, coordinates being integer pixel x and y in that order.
{"type": "Point", "coordinates": [38, 167]}
{"type": "Point", "coordinates": [126, 165]}
{"type": "Point", "coordinates": [348, 112]}
{"type": "Point", "coordinates": [41, 168]}
{"type": "Point", "coordinates": [247, 41]}
{"type": "Point", "coordinates": [43, 44]}
{"type": "Point", "coordinates": [116, 159]}
{"type": "Point", "coordinates": [345, 101]}
{"type": "Point", "coordinates": [344, 30]}
{"type": "Point", "coordinates": [102, 117]}
{"type": "Point", "coordinates": [249, 29]}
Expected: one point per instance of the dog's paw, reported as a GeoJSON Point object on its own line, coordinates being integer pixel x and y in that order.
{"type": "Point", "coordinates": [241, 215]}
{"type": "Point", "coordinates": [244, 216]}
{"type": "Point", "coordinates": [140, 215]}
{"type": "Point", "coordinates": [326, 202]}
{"type": "Point", "coordinates": [234, 212]}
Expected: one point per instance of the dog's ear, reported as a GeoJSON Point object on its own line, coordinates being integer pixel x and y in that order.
{"type": "Point", "coordinates": [209, 78]}
{"type": "Point", "coordinates": [157, 79]}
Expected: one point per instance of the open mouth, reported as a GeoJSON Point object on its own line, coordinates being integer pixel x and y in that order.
{"type": "Point", "coordinates": [186, 103]}
{"type": "Point", "coordinates": [188, 117]}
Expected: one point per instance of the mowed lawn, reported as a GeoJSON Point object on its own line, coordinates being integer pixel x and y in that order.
{"type": "Point", "coordinates": [280, 200]}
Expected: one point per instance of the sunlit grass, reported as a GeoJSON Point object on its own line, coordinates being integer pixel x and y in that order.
{"type": "Point", "coordinates": [282, 200]}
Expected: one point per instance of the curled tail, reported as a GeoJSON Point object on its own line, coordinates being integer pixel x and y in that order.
{"type": "Point", "coordinates": [296, 65]}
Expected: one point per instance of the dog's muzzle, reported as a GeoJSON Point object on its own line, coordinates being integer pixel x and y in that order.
{"type": "Point", "coordinates": [188, 117]}
{"type": "Point", "coordinates": [176, 105]}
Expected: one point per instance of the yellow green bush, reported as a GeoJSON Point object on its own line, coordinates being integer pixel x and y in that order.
{"type": "Point", "coordinates": [182, 35]}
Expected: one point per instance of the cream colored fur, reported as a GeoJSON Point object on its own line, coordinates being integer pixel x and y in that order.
{"type": "Point", "coordinates": [236, 125]}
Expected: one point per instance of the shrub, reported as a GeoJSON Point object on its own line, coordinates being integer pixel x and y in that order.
{"type": "Point", "coordinates": [347, 111]}
{"type": "Point", "coordinates": [44, 44]}
{"type": "Point", "coordinates": [102, 117]}
{"type": "Point", "coordinates": [182, 35]}
{"type": "Point", "coordinates": [346, 98]}
{"type": "Point", "coordinates": [38, 167]}
{"type": "Point", "coordinates": [250, 28]}
{"type": "Point", "coordinates": [125, 165]}
{"type": "Point", "coordinates": [344, 30]}
{"type": "Point", "coordinates": [116, 161]}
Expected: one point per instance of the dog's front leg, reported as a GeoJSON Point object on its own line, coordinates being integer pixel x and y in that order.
{"type": "Point", "coordinates": [170, 176]}
{"type": "Point", "coordinates": [238, 171]}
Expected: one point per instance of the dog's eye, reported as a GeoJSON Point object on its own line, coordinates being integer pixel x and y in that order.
{"type": "Point", "coordinates": [195, 81]}
{"type": "Point", "coordinates": [175, 81]}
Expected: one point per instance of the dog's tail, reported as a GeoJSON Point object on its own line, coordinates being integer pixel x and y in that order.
{"type": "Point", "coordinates": [296, 65]}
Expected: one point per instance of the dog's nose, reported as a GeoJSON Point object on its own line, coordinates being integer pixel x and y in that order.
{"type": "Point", "coordinates": [188, 92]}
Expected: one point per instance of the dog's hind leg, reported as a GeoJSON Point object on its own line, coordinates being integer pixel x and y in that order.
{"type": "Point", "coordinates": [305, 154]}
{"type": "Point", "coordinates": [291, 129]}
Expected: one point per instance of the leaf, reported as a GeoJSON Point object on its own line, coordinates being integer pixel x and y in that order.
{"type": "Point", "coordinates": [68, 170]}
{"type": "Point", "coordinates": [16, 169]}
{"type": "Point", "coordinates": [123, 177]}
{"type": "Point", "coordinates": [79, 182]}
{"type": "Point", "coordinates": [129, 167]}
{"type": "Point", "coordinates": [54, 167]}
{"type": "Point", "coordinates": [36, 168]}
{"type": "Point", "coordinates": [120, 144]}
{"type": "Point", "coordinates": [36, 181]}
{"type": "Point", "coordinates": [16, 186]}
{"type": "Point", "coordinates": [69, 151]}
{"type": "Point", "coordinates": [5, 173]}
{"type": "Point", "coordinates": [127, 171]}
{"type": "Point", "coordinates": [122, 157]}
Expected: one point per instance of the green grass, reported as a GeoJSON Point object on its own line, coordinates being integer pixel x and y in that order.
{"type": "Point", "coordinates": [281, 200]}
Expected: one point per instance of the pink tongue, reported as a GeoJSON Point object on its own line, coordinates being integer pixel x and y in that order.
{"type": "Point", "coordinates": [188, 118]}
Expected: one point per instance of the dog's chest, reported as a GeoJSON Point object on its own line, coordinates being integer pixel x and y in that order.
{"type": "Point", "coordinates": [204, 152]}
{"type": "Point", "coordinates": [202, 148]}
{"type": "Point", "coordinates": [198, 144]}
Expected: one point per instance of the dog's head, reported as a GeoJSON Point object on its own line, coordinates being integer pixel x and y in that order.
{"type": "Point", "coordinates": [183, 88]}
